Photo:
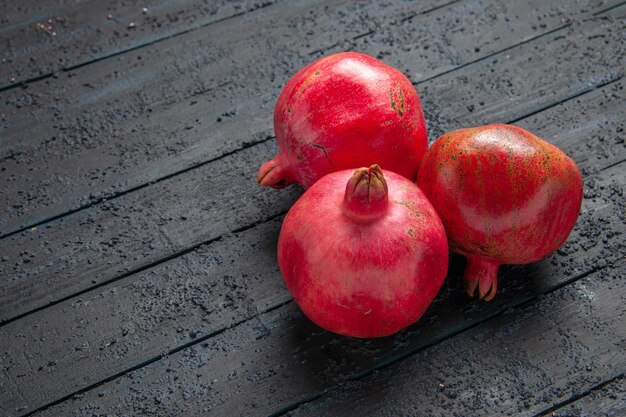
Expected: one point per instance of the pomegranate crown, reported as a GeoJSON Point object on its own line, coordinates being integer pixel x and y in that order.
{"type": "Point", "coordinates": [365, 198]}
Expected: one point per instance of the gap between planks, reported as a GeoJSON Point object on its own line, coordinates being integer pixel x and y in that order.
{"type": "Point", "coordinates": [371, 32]}
{"type": "Point", "coordinates": [581, 395]}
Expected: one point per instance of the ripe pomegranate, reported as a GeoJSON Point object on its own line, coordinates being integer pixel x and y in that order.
{"type": "Point", "coordinates": [363, 254]}
{"type": "Point", "coordinates": [504, 195]}
{"type": "Point", "coordinates": [345, 111]}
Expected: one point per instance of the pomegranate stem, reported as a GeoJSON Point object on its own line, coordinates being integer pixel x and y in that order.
{"type": "Point", "coordinates": [273, 174]}
{"type": "Point", "coordinates": [481, 273]}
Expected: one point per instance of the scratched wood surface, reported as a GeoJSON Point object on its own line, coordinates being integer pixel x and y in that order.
{"type": "Point", "coordinates": [138, 272]}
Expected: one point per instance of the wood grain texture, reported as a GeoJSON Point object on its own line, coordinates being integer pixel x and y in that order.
{"type": "Point", "coordinates": [153, 112]}
{"type": "Point", "coordinates": [43, 38]}
{"type": "Point", "coordinates": [137, 229]}
{"type": "Point", "coordinates": [234, 279]}
{"type": "Point", "coordinates": [609, 400]}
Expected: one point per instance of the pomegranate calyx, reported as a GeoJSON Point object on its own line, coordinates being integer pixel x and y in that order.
{"type": "Point", "coordinates": [482, 274]}
{"type": "Point", "coordinates": [272, 174]}
{"type": "Point", "coordinates": [365, 197]}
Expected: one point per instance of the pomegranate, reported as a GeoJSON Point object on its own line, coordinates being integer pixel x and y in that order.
{"type": "Point", "coordinates": [504, 195]}
{"type": "Point", "coordinates": [363, 254]}
{"type": "Point", "coordinates": [345, 111]}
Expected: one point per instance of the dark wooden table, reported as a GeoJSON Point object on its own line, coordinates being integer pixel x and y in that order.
{"type": "Point", "coordinates": [138, 272]}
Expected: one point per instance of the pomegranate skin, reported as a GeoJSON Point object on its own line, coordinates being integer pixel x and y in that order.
{"type": "Point", "coordinates": [345, 111]}
{"type": "Point", "coordinates": [364, 262]}
{"type": "Point", "coordinates": [504, 195]}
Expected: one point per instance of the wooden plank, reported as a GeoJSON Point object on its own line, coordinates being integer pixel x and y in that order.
{"type": "Point", "coordinates": [257, 368]}
{"type": "Point", "coordinates": [111, 329]}
{"type": "Point", "coordinates": [42, 38]}
{"type": "Point", "coordinates": [216, 286]}
{"type": "Point", "coordinates": [547, 351]}
{"type": "Point", "coordinates": [137, 229]}
{"type": "Point", "coordinates": [608, 400]}
{"type": "Point", "coordinates": [120, 125]}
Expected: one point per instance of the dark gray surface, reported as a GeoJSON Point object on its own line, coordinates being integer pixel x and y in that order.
{"type": "Point", "coordinates": [166, 299]}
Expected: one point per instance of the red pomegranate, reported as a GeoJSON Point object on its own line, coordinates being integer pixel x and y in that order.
{"type": "Point", "coordinates": [345, 111]}
{"type": "Point", "coordinates": [363, 254]}
{"type": "Point", "coordinates": [504, 195]}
